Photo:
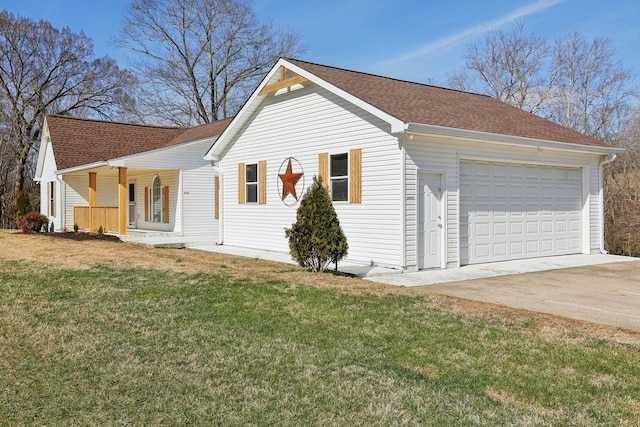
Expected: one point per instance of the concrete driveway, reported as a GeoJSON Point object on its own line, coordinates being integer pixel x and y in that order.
{"type": "Point", "coordinates": [607, 293]}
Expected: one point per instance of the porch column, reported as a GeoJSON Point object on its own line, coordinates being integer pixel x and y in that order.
{"type": "Point", "coordinates": [92, 197]}
{"type": "Point", "coordinates": [122, 201]}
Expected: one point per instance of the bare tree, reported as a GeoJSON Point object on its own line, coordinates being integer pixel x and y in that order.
{"type": "Point", "coordinates": [46, 70]}
{"type": "Point", "coordinates": [200, 59]}
{"type": "Point", "coordinates": [622, 193]}
{"type": "Point", "coordinates": [577, 83]}
{"type": "Point", "coordinates": [592, 91]}
{"type": "Point", "coordinates": [507, 66]}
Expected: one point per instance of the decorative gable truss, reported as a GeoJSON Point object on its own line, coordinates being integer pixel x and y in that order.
{"type": "Point", "coordinates": [287, 80]}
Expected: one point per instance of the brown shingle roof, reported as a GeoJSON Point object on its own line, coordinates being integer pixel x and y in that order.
{"type": "Point", "coordinates": [431, 105]}
{"type": "Point", "coordinates": [202, 131]}
{"type": "Point", "coordinates": [77, 141]}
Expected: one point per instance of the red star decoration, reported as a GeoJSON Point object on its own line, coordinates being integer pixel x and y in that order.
{"type": "Point", "coordinates": [289, 181]}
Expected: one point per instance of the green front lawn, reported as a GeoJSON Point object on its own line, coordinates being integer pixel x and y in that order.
{"type": "Point", "coordinates": [148, 347]}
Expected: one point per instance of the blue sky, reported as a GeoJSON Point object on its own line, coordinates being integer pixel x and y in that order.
{"type": "Point", "coordinates": [418, 40]}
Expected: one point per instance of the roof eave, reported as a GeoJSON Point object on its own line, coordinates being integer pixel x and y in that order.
{"type": "Point", "coordinates": [121, 161]}
{"type": "Point", "coordinates": [495, 138]}
{"type": "Point", "coordinates": [82, 167]}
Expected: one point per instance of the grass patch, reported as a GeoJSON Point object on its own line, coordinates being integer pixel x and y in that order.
{"type": "Point", "coordinates": [142, 346]}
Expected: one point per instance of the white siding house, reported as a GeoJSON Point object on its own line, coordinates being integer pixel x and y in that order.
{"type": "Point", "coordinates": [124, 177]}
{"type": "Point", "coordinates": [421, 177]}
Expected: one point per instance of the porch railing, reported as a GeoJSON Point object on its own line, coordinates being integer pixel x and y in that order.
{"type": "Point", "coordinates": [92, 217]}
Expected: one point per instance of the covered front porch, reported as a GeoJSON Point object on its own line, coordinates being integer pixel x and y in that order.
{"type": "Point", "coordinates": [106, 218]}
{"type": "Point", "coordinates": [119, 199]}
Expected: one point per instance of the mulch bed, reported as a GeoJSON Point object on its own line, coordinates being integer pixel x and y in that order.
{"type": "Point", "coordinates": [84, 236]}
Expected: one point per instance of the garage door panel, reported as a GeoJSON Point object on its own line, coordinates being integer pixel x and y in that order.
{"type": "Point", "coordinates": [482, 251]}
{"type": "Point", "coordinates": [517, 229]}
{"type": "Point", "coordinates": [532, 227]}
{"type": "Point", "coordinates": [500, 229]}
{"type": "Point", "coordinates": [561, 244]}
{"type": "Point", "coordinates": [512, 211]}
{"type": "Point", "coordinates": [516, 248]}
{"type": "Point", "coordinates": [574, 245]}
{"type": "Point", "coordinates": [500, 249]}
{"type": "Point", "coordinates": [483, 230]}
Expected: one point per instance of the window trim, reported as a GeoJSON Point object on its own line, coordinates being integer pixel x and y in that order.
{"type": "Point", "coordinates": [335, 178]}
{"type": "Point", "coordinates": [251, 184]}
{"type": "Point", "coordinates": [51, 199]}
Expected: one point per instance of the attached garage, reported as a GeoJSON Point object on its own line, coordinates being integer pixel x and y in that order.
{"type": "Point", "coordinates": [513, 211]}
{"type": "Point", "coordinates": [444, 178]}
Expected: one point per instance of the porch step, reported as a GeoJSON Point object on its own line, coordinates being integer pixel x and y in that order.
{"type": "Point", "coordinates": [147, 235]}
{"type": "Point", "coordinates": [166, 239]}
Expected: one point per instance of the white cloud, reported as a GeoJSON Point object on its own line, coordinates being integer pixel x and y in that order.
{"type": "Point", "coordinates": [472, 32]}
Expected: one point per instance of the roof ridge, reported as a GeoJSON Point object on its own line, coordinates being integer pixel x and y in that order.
{"type": "Point", "coordinates": [388, 78]}
{"type": "Point", "coordinates": [86, 119]}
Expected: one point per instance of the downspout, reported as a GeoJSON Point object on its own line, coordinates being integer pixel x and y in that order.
{"type": "Point", "coordinates": [603, 162]}
{"type": "Point", "coordinates": [220, 206]}
{"type": "Point", "coordinates": [181, 195]}
{"type": "Point", "coordinates": [403, 204]}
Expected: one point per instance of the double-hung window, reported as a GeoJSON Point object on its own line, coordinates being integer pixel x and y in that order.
{"type": "Point", "coordinates": [339, 177]}
{"type": "Point", "coordinates": [251, 183]}
{"type": "Point", "coordinates": [341, 173]}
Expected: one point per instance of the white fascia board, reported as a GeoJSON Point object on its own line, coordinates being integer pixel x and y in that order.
{"type": "Point", "coordinates": [44, 142]}
{"type": "Point", "coordinates": [417, 128]}
{"type": "Point", "coordinates": [82, 167]}
{"type": "Point", "coordinates": [215, 152]}
{"type": "Point", "coordinates": [121, 161]}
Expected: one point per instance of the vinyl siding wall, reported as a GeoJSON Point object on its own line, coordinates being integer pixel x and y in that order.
{"type": "Point", "coordinates": [443, 155]}
{"type": "Point", "coordinates": [48, 175]}
{"type": "Point", "coordinates": [303, 124]}
{"type": "Point", "coordinates": [198, 208]}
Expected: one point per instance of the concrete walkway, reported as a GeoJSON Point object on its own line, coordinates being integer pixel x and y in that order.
{"type": "Point", "coordinates": [495, 269]}
{"type": "Point", "coordinates": [389, 275]}
{"type": "Point", "coordinates": [397, 277]}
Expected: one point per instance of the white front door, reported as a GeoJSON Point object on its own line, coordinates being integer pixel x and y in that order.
{"type": "Point", "coordinates": [429, 221]}
{"type": "Point", "coordinates": [132, 204]}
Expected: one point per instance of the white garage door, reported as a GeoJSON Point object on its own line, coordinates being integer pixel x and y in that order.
{"type": "Point", "coordinates": [513, 211]}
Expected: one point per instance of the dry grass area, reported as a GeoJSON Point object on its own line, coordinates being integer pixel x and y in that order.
{"type": "Point", "coordinates": [109, 333]}
{"type": "Point", "coordinates": [82, 255]}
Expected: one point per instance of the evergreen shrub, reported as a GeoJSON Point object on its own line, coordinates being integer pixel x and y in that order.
{"type": "Point", "coordinates": [316, 238]}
